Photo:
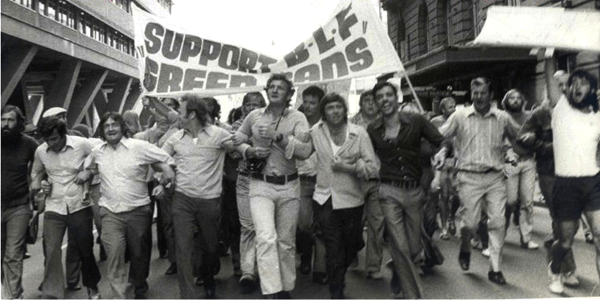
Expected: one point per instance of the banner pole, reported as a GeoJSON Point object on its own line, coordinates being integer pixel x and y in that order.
{"type": "Point", "coordinates": [412, 89]}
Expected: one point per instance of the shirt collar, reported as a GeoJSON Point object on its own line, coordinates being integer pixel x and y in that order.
{"type": "Point", "coordinates": [69, 143]}
{"type": "Point", "coordinates": [401, 116]}
{"type": "Point", "coordinates": [209, 130]}
{"type": "Point", "coordinates": [352, 128]}
{"type": "Point", "coordinates": [493, 112]}
{"type": "Point", "coordinates": [265, 109]}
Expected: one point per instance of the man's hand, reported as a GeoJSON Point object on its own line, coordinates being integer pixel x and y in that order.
{"type": "Point", "coordinates": [167, 176]}
{"type": "Point", "coordinates": [266, 131]}
{"type": "Point", "coordinates": [83, 177]}
{"type": "Point", "coordinates": [158, 191]}
{"type": "Point", "coordinates": [511, 157]}
{"type": "Point", "coordinates": [436, 182]}
{"type": "Point", "coordinates": [40, 202]}
{"type": "Point", "coordinates": [362, 172]}
{"type": "Point", "coordinates": [439, 159]}
{"type": "Point", "coordinates": [258, 152]}
{"type": "Point", "coordinates": [526, 139]}
{"type": "Point", "coordinates": [237, 140]}
{"type": "Point", "coordinates": [46, 187]}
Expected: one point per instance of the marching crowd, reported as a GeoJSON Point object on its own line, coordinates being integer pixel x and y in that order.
{"type": "Point", "coordinates": [275, 182]}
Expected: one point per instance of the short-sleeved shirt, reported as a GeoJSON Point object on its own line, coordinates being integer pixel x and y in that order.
{"type": "Point", "coordinates": [124, 172]}
{"type": "Point", "coordinates": [400, 158]}
{"type": "Point", "coordinates": [200, 163]}
{"type": "Point", "coordinates": [62, 168]}
{"type": "Point", "coordinates": [292, 122]}
{"type": "Point", "coordinates": [479, 139]}
{"type": "Point", "coordinates": [16, 157]}
{"type": "Point", "coordinates": [576, 136]}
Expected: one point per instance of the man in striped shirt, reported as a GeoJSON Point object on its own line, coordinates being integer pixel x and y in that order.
{"type": "Point", "coordinates": [479, 133]}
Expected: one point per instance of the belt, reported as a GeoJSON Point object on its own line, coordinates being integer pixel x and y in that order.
{"type": "Point", "coordinates": [403, 184]}
{"type": "Point", "coordinates": [281, 180]}
{"type": "Point", "coordinates": [244, 173]}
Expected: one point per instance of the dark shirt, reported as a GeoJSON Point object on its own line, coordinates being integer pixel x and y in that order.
{"type": "Point", "coordinates": [540, 124]}
{"type": "Point", "coordinates": [400, 157]}
{"type": "Point", "coordinates": [15, 160]}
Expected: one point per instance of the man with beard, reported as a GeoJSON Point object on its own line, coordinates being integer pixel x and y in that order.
{"type": "Point", "coordinates": [478, 134]}
{"type": "Point", "coordinates": [576, 134]}
{"type": "Point", "coordinates": [67, 204]}
{"type": "Point", "coordinates": [520, 172]}
{"type": "Point", "coordinates": [17, 153]}
{"type": "Point", "coordinates": [123, 165]}
{"type": "Point", "coordinates": [396, 138]}
{"type": "Point", "coordinates": [367, 114]}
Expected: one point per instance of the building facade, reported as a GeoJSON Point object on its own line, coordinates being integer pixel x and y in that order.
{"type": "Point", "coordinates": [75, 54]}
{"type": "Point", "coordinates": [433, 39]}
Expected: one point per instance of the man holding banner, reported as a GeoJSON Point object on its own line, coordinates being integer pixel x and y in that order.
{"type": "Point", "coordinates": [274, 188]}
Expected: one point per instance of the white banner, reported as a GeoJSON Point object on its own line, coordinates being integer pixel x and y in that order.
{"type": "Point", "coordinates": [541, 27]}
{"type": "Point", "coordinates": [174, 61]}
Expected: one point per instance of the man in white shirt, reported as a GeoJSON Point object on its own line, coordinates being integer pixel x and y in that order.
{"type": "Point", "coordinates": [576, 134]}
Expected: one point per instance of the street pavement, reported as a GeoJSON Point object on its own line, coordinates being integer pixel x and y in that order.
{"type": "Point", "coordinates": [525, 272]}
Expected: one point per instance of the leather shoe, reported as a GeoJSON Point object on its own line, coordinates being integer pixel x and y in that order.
{"type": "Point", "coordinates": [464, 260]}
{"type": "Point", "coordinates": [172, 269]}
{"type": "Point", "coordinates": [210, 292]}
{"type": "Point", "coordinates": [284, 295]}
{"type": "Point", "coordinates": [247, 284]}
{"type": "Point", "coordinates": [496, 277]}
{"type": "Point", "coordinates": [320, 278]}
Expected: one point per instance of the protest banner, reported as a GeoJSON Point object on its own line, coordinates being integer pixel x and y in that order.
{"type": "Point", "coordinates": [541, 27]}
{"type": "Point", "coordinates": [175, 61]}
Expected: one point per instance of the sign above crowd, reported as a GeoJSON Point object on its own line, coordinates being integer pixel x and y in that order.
{"type": "Point", "coordinates": [175, 61]}
{"type": "Point", "coordinates": [541, 27]}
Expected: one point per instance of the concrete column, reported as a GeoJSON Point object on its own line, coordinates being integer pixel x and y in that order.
{"type": "Point", "coordinates": [30, 107]}
{"type": "Point", "coordinates": [13, 67]}
{"type": "Point", "coordinates": [63, 86]}
{"type": "Point", "coordinates": [116, 99]}
{"type": "Point", "coordinates": [84, 97]}
{"type": "Point", "coordinates": [100, 102]}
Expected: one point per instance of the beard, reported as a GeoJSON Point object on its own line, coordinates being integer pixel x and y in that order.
{"type": "Point", "coordinates": [590, 100]}
{"type": "Point", "coordinates": [10, 135]}
{"type": "Point", "coordinates": [514, 109]}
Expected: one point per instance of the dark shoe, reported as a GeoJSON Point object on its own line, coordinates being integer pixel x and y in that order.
{"type": "Point", "coordinates": [496, 277]}
{"type": "Point", "coordinates": [163, 255]}
{"type": "Point", "coordinates": [320, 278]}
{"type": "Point", "coordinates": [464, 260]}
{"type": "Point", "coordinates": [548, 243]}
{"type": "Point", "coordinates": [26, 255]}
{"type": "Point", "coordinates": [237, 272]}
{"type": "Point", "coordinates": [172, 269]}
{"type": "Point", "coordinates": [270, 296]}
{"type": "Point", "coordinates": [73, 287]}
{"type": "Point", "coordinates": [337, 291]}
{"type": "Point", "coordinates": [395, 283]}
{"type": "Point", "coordinates": [140, 296]}
{"type": "Point", "coordinates": [589, 238]}
{"type": "Point", "coordinates": [284, 295]}
{"type": "Point", "coordinates": [93, 293]}
{"type": "Point", "coordinates": [247, 284]}
{"type": "Point", "coordinates": [199, 281]}
{"type": "Point", "coordinates": [210, 292]}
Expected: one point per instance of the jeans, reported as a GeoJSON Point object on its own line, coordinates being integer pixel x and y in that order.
{"type": "Point", "coordinates": [520, 184]}
{"type": "Point", "coordinates": [402, 211]}
{"type": "Point", "coordinates": [342, 232]}
{"type": "Point", "coordinates": [275, 214]}
{"type": "Point", "coordinates": [230, 221]}
{"type": "Point", "coordinates": [14, 229]}
{"type": "Point", "coordinates": [304, 237]}
{"type": "Point", "coordinates": [165, 210]}
{"type": "Point", "coordinates": [247, 233]}
{"type": "Point", "coordinates": [375, 228]}
{"type": "Point", "coordinates": [80, 227]}
{"type": "Point", "coordinates": [127, 231]}
{"type": "Point", "coordinates": [191, 215]}
{"type": "Point", "coordinates": [473, 190]}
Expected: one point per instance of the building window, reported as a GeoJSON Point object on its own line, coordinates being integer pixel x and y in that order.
{"type": "Point", "coordinates": [402, 44]}
{"type": "Point", "coordinates": [449, 24]}
{"type": "Point", "coordinates": [66, 14]}
{"type": "Point", "coordinates": [26, 3]}
{"type": "Point", "coordinates": [48, 8]}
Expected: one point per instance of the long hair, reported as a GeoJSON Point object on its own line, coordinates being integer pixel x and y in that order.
{"type": "Point", "coordinates": [47, 125]}
{"type": "Point", "coordinates": [197, 105]}
{"type": "Point", "coordinates": [332, 98]}
{"type": "Point", "coordinates": [20, 117]}
{"type": "Point", "coordinates": [592, 97]}
{"type": "Point", "coordinates": [504, 101]}
{"type": "Point", "coordinates": [115, 117]}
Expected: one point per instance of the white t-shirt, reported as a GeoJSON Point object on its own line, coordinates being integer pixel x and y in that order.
{"type": "Point", "coordinates": [576, 135]}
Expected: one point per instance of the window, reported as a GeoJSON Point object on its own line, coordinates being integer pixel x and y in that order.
{"type": "Point", "coordinates": [402, 40]}
{"type": "Point", "coordinates": [26, 3]}
{"type": "Point", "coordinates": [449, 24]}
{"type": "Point", "coordinates": [423, 29]}
{"type": "Point", "coordinates": [66, 14]}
